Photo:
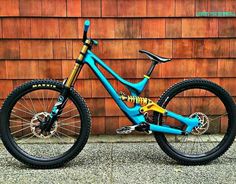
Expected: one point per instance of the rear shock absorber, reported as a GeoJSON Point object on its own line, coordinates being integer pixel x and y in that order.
{"type": "Point", "coordinates": [135, 99]}
{"type": "Point", "coordinates": [147, 104]}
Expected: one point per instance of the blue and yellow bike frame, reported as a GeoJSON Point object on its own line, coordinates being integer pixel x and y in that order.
{"type": "Point", "coordinates": [133, 113]}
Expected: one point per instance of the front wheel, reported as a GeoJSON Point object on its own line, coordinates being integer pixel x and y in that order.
{"type": "Point", "coordinates": [216, 111]}
{"type": "Point", "coordinates": [28, 106]}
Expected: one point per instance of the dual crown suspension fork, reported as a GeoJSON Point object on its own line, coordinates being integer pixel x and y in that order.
{"type": "Point", "coordinates": [62, 99]}
{"type": "Point", "coordinates": [78, 65]}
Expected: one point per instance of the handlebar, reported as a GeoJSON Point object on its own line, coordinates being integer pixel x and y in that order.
{"type": "Point", "coordinates": [86, 27]}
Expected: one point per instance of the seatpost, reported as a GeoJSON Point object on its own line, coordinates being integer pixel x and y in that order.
{"type": "Point", "coordinates": [150, 70]}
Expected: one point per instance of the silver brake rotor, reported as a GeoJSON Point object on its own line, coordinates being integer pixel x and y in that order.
{"type": "Point", "coordinates": [204, 123]}
{"type": "Point", "coordinates": [34, 125]}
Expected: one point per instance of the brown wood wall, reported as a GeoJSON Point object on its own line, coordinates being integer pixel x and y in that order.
{"type": "Point", "coordinates": [41, 38]}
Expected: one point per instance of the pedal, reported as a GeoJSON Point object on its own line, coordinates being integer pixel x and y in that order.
{"type": "Point", "coordinates": [143, 127]}
{"type": "Point", "coordinates": [148, 132]}
{"type": "Point", "coordinates": [126, 129]}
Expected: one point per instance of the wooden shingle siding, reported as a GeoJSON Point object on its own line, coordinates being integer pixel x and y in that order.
{"type": "Point", "coordinates": [118, 49]}
{"type": "Point", "coordinates": [44, 36]}
{"type": "Point", "coordinates": [113, 8]}
{"type": "Point", "coordinates": [9, 8]}
{"type": "Point", "coordinates": [118, 28]}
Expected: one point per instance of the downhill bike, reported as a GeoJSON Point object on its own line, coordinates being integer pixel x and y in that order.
{"type": "Point", "coordinates": [46, 123]}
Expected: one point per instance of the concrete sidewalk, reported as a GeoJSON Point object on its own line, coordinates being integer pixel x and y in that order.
{"type": "Point", "coordinates": [137, 160]}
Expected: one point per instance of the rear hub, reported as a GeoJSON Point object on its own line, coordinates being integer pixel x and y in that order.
{"type": "Point", "coordinates": [203, 123]}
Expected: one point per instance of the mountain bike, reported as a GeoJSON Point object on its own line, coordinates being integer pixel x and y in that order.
{"type": "Point", "coordinates": [46, 123]}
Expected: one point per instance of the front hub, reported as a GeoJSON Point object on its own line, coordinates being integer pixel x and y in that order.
{"type": "Point", "coordinates": [203, 123]}
{"type": "Point", "coordinates": [37, 123]}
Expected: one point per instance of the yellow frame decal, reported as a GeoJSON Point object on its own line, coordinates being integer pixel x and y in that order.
{"type": "Point", "coordinates": [145, 76]}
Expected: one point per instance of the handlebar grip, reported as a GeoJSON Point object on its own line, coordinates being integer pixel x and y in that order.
{"type": "Point", "coordinates": [86, 25]}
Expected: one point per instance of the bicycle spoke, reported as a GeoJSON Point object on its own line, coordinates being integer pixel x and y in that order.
{"type": "Point", "coordinates": [186, 142]}
{"type": "Point", "coordinates": [44, 109]}
{"type": "Point", "coordinates": [51, 101]}
{"type": "Point", "coordinates": [69, 130]}
{"type": "Point", "coordinates": [203, 142]}
{"type": "Point", "coordinates": [27, 139]}
{"type": "Point", "coordinates": [67, 123]}
{"type": "Point", "coordinates": [20, 118]}
{"type": "Point", "coordinates": [218, 117]}
{"type": "Point", "coordinates": [208, 102]}
{"type": "Point", "coordinates": [33, 111]}
{"type": "Point", "coordinates": [68, 118]}
{"type": "Point", "coordinates": [184, 139]}
{"type": "Point", "coordinates": [11, 126]}
{"type": "Point", "coordinates": [15, 121]}
{"type": "Point", "coordinates": [26, 135]}
{"type": "Point", "coordinates": [32, 103]}
{"type": "Point", "coordinates": [46, 99]}
{"type": "Point", "coordinates": [20, 130]}
{"type": "Point", "coordinates": [193, 145]}
{"type": "Point", "coordinates": [199, 145]}
{"type": "Point", "coordinates": [68, 111]}
{"type": "Point", "coordinates": [53, 150]}
{"type": "Point", "coordinates": [59, 137]}
{"type": "Point", "coordinates": [23, 111]}
{"type": "Point", "coordinates": [40, 102]}
{"type": "Point", "coordinates": [66, 135]}
{"type": "Point", "coordinates": [71, 126]}
{"type": "Point", "coordinates": [67, 106]}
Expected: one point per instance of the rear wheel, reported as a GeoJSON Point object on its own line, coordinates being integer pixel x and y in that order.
{"type": "Point", "coordinates": [216, 111]}
{"type": "Point", "coordinates": [30, 104]}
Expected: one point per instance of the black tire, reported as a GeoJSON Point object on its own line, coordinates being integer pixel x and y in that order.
{"type": "Point", "coordinates": [199, 158]}
{"type": "Point", "coordinates": [17, 149]}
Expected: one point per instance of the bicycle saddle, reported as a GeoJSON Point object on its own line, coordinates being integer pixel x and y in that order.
{"type": "Point", "coordinates": [154, 57]}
